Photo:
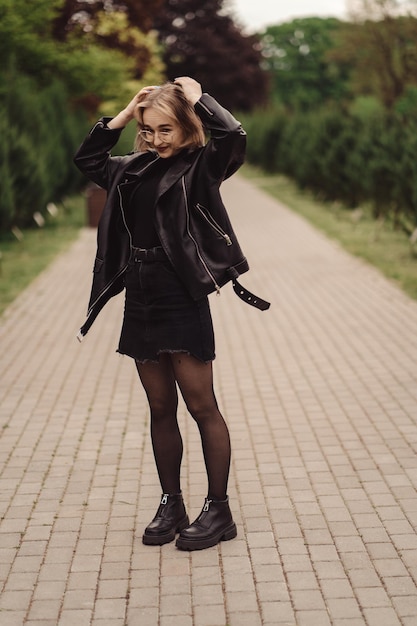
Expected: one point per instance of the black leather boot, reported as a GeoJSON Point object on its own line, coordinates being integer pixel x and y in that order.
{"type": "Point", "coordinates": [214, 524]}
{"type": "Point", "coordinates": [170, 518]}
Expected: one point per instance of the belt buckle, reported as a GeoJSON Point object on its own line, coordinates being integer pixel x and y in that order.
{"type": "Point", "coordinates": [139, 254]}
{"type": "Point", "coordinates": [146, 254]}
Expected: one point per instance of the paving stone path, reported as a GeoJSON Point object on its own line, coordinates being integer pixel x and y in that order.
{"type": "Point", "coordinates": [320, 394]}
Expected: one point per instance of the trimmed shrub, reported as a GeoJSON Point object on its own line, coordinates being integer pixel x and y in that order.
{"type": "Point", "coordinates": [40, 133]}
{"type": "Point", "coordinates": [367, 155]}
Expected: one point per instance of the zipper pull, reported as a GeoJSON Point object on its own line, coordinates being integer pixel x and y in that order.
{"type": "Point", "coordinates": [207, 505]}
{"type": "Point", "coordinates": [164, 498]}
{"type": "Point", "coordinates": [228, 240]}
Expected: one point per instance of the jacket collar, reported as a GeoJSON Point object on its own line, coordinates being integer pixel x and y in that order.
{"type": "Point", "coordinates": [138, 162]}
{"type": "Point", "coordinates": [145, 160]}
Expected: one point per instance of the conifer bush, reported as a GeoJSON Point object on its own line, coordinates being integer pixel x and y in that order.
{"type": "Point", "coordinates": [343, 156]}
{"type": "Point", "coordinates": [40, 133]}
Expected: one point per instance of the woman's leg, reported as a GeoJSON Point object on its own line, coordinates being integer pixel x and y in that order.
{"type": "Point", "coordinates": [171, 517]}
{"type": "Point", "coordinates": [159, 383]}
{"type": "Point", "coordinates": [195, 380]}
{"type": "Point", "coordinates": [215, 522]}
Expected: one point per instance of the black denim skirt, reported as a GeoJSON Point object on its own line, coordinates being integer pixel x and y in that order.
{"type": "Point", "coordinates": [160, 316]}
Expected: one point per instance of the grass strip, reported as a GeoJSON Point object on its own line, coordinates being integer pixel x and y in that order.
{"type": "Point", "coordinates": [24, 254]}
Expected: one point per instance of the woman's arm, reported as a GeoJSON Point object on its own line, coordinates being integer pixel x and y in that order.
{"type": "Point", "coordinates": [93, 157]}
{"type": "Point", "coordinates": [225, 152]}
{"type": "Point", "coordinates": [127, 114]}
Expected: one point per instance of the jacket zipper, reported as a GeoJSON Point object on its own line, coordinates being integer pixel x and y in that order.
{"type": "Point", "coordinates": [204, 264]}
{"type": "Point", "coordinates": [212, 222]}
{"type": "Point", "coordinates": [120, 272]}
{"type": "Point", "coordinates": [123, 216]}
{"type": "Point", "coordinates": [123, 210]}
{"type": "Point", "coordinates": [113, 280]}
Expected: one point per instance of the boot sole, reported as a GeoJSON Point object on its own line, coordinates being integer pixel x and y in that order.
{"type": "Point", "coordinates": [226, 534]}
{"type": "Point", "coordinates": [160, 540]}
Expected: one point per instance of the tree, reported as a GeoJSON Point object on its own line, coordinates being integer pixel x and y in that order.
{"type": "Point", "coordinates": [295, 55]}
{"type": "Point", "coordinates": [27, 46]}
{"type": "Point", "coordinates": [201, 40]}
{"type": "Point", "coordinates": [380, 45]}
{"type": "Point", "coordinates": [121, 26]}
{"type": "Point", "coordinates": [25, 35]}
{"type": "Point", "coordinates": [44, 78]}
{"type": "Point", "coordinates": [362, 10]}
{"type": "Point", "coordinates": [74, 13]}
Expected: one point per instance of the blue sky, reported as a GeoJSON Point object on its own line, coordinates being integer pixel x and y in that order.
{"type": "Point", "coordinates": [256, 14]}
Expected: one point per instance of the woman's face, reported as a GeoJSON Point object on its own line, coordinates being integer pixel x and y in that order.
{"type": "Point", "coordinates": [162, 132]}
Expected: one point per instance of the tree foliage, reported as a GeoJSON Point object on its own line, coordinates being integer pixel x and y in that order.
{"type": "Point", "coordinates": [296, 56]}
{"type": "Point", "coordinates": [380, 47]}
{"type": "Point", "coordinates": [362, 10]}
{"type": "Point", "coordinates": [39, 135]}
{"type": "Point", "coordinates": [201, 39]}
{"type": "Point", "coordinates": [27, 46]}
{"type": "Point", "coordinates": [121, 26]}
{"type": "Point", "coordinates": [25, 36]}
{"type": "Point", "coordinates": [82, 13]}
{"type": "Point", "coordinates": [46, 77]}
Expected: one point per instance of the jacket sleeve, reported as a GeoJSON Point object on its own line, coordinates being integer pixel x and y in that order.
{"type": "Point", "coordinates": [225, 152]}
{"type": "Point", "coordinates": [93, 157]}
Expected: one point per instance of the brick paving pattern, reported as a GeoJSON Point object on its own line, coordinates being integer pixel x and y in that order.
{"type": "Point", "coordinates": [320, 394]}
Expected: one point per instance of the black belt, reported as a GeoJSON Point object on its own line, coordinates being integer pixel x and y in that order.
{"type": "Point", "coordinates": [246, 295]}
{"type": "Point", "coordinates": [149, 255]}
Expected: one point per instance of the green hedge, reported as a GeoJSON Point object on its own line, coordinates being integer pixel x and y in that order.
{"type": "Point", "coordinates": [342, 156]}
{"type": "Point", "coordinates": [40, 133]}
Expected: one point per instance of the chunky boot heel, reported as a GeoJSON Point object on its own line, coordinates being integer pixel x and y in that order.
{"type": "Point", "coordinates": [170, 518]}
{"type": "Point", "coordinates": [230, 533]}
{"type": "Point", "coordinates": [214, 524]}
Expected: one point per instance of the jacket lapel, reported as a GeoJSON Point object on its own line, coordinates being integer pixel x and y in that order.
{"type": "Point", "coordinates": [138, 164]}
{"type": "Point", "coordinates": [182, 164]}
{"type": "Point", "coordinates": [146, 161]}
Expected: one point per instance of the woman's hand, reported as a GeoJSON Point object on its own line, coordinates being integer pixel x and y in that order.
{"type": "Point", "coordinates": [128, 113]}
{"type": "Point", "coordinates": [192, 89]}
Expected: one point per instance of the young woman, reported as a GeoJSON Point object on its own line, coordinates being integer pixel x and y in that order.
{"type": "Point", "coordinates": [165, 236]}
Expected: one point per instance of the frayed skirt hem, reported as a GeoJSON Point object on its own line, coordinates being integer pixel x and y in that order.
{"type": "Point", "coordinates": [144, 360]}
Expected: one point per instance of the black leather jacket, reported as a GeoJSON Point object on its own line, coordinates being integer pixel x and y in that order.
{"type": "Point", "coordinates": [190, 217]}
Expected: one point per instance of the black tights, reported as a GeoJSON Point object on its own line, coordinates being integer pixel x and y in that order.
{"type": "Point", "coordinates": [195, 381]}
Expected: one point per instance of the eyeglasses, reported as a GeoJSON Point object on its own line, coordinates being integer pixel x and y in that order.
{"type": "Point", "coordinates": [149, 135]}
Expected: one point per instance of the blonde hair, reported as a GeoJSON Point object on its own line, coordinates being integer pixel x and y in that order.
{"type": "Point", "coordinates": [170, 100]}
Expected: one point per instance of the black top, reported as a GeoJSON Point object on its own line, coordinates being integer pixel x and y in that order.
{"type": "Point", "coordinates": [142, 203]}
